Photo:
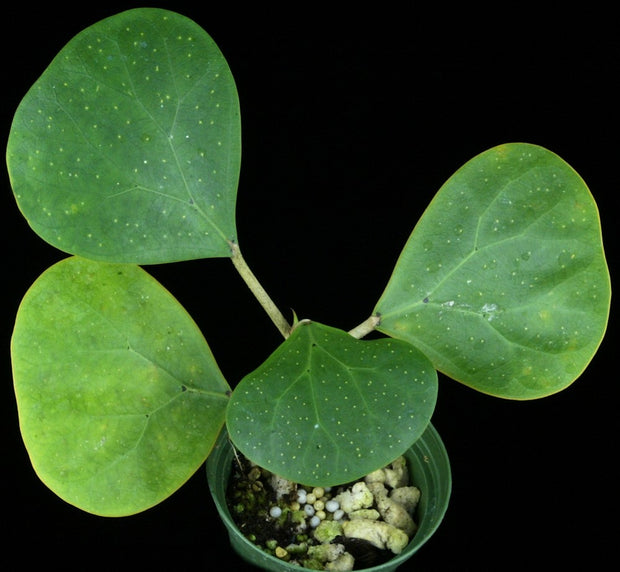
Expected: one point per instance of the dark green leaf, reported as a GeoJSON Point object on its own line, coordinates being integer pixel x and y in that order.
{"type": "Point", "coordinates": [127, 148]}
{"type": "Point", "coordinates": [326, 408]}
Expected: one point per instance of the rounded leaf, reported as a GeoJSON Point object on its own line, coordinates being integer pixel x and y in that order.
{"type": "Point", "coordinates": [326, 408]}
{"type": "Point", "coordinates": [503, 282]}
{"type": "Point", "coordinates": [128, 147]}
{"type": "Point", "coordinates": [119, 397]}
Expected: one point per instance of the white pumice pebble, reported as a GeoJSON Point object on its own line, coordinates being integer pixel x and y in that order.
{"type": "Point", "coordinates": [315, 521]}
{"type": "Point", "coordinates": [332, 505]}
{"type": "Point", "coordinates": [309, 509]}
{"type": "Point", "coordinates": [275, 511]}
{"type": "Point", "coordinates": [301, 496]}
{"type": "Point", "coordinates": [338, 514]}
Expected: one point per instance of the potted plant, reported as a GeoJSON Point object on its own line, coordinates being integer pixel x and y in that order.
{"type": "Point", "coordinates": [126, 152]}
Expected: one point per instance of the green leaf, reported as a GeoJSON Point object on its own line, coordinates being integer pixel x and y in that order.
{"type": "Point", "coordinates": [128, 147]}
{"type": "Point", "coordinates": [119, 397]}
{"type": "Point", "coordinates": [326, 408]}
{"type": "Point", "coordinates": [503, 282]}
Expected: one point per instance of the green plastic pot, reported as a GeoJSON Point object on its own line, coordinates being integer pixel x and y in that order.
{"type": "Point", "coordinates": [430, 468]}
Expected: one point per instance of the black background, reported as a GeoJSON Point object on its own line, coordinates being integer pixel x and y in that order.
{"type": "Point", "coordinates": [352, 119]}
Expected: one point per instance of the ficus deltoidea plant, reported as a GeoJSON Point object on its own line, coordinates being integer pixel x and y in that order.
{"type": "Point", "coordinates": [126, 152]}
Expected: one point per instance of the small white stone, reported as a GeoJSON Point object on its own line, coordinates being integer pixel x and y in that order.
{"type": "Point", "coordinates": [275, 511]}
{"type": "Point", "coordinates": [332, 505]}
{"type": "Point", "coordinates": [315, 521]}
